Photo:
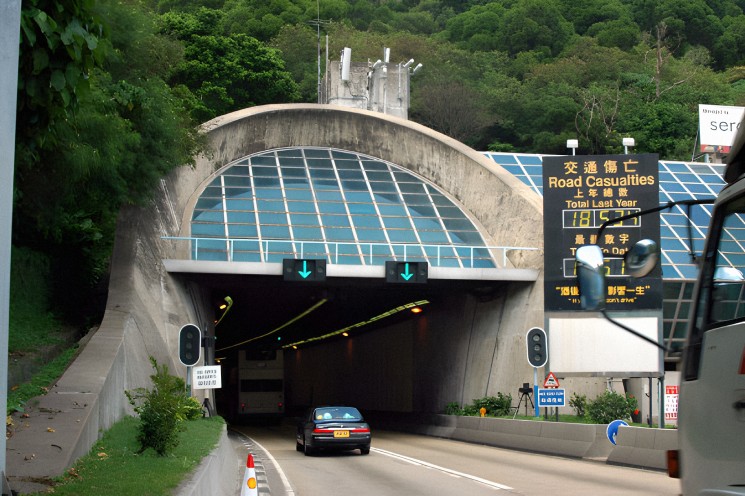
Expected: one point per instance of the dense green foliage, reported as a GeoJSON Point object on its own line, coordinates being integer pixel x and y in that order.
{"type": "Point", "coordinates": [611, 406]}
{"type": "Point", "coordinates": [110, 93]}
{"type": "Point", "coordinates": [162, 410]}
{"type": "Point", "coordinates": [496, 406]}
{"type": "Point", "coordinates": [113, 465]}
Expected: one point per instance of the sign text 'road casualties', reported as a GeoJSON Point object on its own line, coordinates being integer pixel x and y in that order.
{"type": "Point", "coordinates": [207, 377]}
{"type": "Point", "coordinates": [580, 193]}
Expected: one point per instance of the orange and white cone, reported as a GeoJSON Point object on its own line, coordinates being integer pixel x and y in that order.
{"type": "Point", "coordinates": [249, 487]}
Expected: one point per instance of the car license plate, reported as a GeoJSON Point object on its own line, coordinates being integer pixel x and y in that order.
{"type": "Point", "coordinates": [341, 433]}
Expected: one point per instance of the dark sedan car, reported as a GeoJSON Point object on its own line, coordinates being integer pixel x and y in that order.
{"type": "Point", "coordinates": [333, 427]}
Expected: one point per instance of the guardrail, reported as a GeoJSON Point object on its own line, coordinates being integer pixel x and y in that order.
{"type": "Point", "coordinates": [274, 250]}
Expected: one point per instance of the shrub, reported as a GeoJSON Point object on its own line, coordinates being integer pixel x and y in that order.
{"type": "Point", "coordinates": [496, 406]}
{"type": "Point", "coordinates": [611, 406]}
{"type": "Point", "coordinates": [453, 408]}
{"type": "Point", "coordinates": [162, 410]}
{"type": "Point", "coordinates": [579, 403]}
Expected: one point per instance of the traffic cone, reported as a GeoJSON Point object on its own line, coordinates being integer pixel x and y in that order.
{"type": "Point", "coordinates": [249, 487]}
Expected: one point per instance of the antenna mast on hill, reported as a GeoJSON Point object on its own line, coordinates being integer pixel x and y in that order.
{"type": "Point", "coordinates": [317, 23]}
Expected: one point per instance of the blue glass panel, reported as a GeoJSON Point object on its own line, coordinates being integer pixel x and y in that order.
{"type": "Point", "coordinates": [275, 232]}
{"type": "Point", "coordinates": [347, 164]}
{"type": "Point", "coordinates": [445, 262]}
{"type": "Point", "coordinates": [450, 212]}
{"type": "Point", "coordinates": [351, 175]}
{"type": "Point", "coordinates": [401, 236]}
{"type": "Point", "coordinates": [269, 206]}
{"type": "Point", "coordinates": [374, 165]}
{"type": "Point", "coordinates": [699, 188]}
{"type": "Point", "coordinates": [387, 198]}
{"type": "Point", "coordinates": [428, 224]}
{"type": "Point", "coordinates": [304, 219]}
{"type": "Point", "coordinates": [678, 257]}
{"type": "Point", "coordinates": [211, 256]}
{"type": "Point", "coordinates": [311, 249]}
{"type": "Point", "coordinates": [208, 204]}
{"type": "Point", "coordinates": [354, 186]}
{"type": "Point", "coordinates": [296, 183]}
{"type": "Point", "coordinates": [433, 237]}
{"type": "Point", "coordinates": [397, 222]}
{"type": "Point", "coordinates": [243, 245]}
{"type": "Point", "coordinates": [348, 259]}
{"type": "Point", "coordinates": [501, 158]}
{"type": "Point", "coordinates": [242, 230]}
{"type": "Point", "coordinates": [371, 235]}
{"type": "Point", "coordinates": [328, 195]}
{"type": "Point", "coordinates": [383, 187]}
{"type": "Point", "coordinates": [263, 160]}
{"type": "Point", "coordinates": [440, 251]}
{"type": "Point", "coordinates": [212, 192]}
{"type": "Point", "coordinates": [402, 177]}
{"type": "Point", "coordinates": [322, 174]}
{"type": "Point", "coordinates": [291, 172]}
{"type": "Point", "coordinates": [366, 221]}
{"type": "Point", "coordinates": [320, 163]}
{"type": "Point", "coordinates": [335, 220]}
{"type": "Point", "coordinates": [404, 252]}
{"type": "Point", "coordinates": [300, 206]}
{"type": "Point", "coordinates": [272, 218]}
{"type": "Point", "coordinates": [299, 194]}
{"type": "Point", "coordinates": [515, 170]}
{"type": "Point", "coordinates": [237, 181]}
{"type": "Point", "coordinates": [307, 233]}
{"type": "Point", "coordinates": [210, 216]}
{"type": "Point", "coordinates": [672, 187]}
{"type": "Point", "coordinates": [441, 200]}
{"type": "Point", "coordinates": [361, 208]}
{"type": "Point", "coordinates": [241, 217]}
{"type": "Point", "coordinates": [422, 211]}
{"type": "Point", "coordinates": [266, 182]}
{"type": "Point", "coordinates": [531, 160]}
{"type": "Point", "coordinates": [379, 176]}
{"type": "Point", "coordinates": [457, 224]}
{"type": "Point", "coordinates": [410, 199]}
{"type": "Point", "coordinates": [240, 256]}
{"type": "Point", "coordinates": [211, 230]}
{"type": "Point", "coordinates": [326, 184]}
{"type": "Point", "coordinates": [359, 197]}
{"type": "Point", "coordinates": [332, 208]}
{"type": "Point", "coordinates": [677, 167]}
{"type": "Point", "coordinates": [339, 234]}
{"type": "Point", "coordinates": [483, 264]}
{"type": "Point", "coordinates": [338, 154]}
{"type": "Point", "coordinates": [290, 152]}
{"type": "Point", "coordinates": [316, 152]}
{"type": "Point", "coordinates": [397, 210]}
{"type": "Point", "coordinates": [292, 162]}
{"type": "Point", "coordinates": [688, 271]}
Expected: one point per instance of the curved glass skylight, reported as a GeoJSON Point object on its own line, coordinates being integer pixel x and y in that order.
{"type": "Point", "coordinates": [325, 203]}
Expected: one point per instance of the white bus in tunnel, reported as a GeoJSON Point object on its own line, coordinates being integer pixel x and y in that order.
{"type": "Point", "coordinates": [260, 384]}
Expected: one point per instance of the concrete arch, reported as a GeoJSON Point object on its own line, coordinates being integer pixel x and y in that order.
{"type": "Point", "coordinates": [508, 212]}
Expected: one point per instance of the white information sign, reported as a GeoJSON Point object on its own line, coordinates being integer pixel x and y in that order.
{"type": "Point", "coordinates": [207, 377]}
{"type": "Point", "coordinates": [718, 125]}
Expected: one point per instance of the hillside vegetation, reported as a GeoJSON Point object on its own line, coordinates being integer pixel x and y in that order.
{"type": "Point", "coordinates": [111, 92]}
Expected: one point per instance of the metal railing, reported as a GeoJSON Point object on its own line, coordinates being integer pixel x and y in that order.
{"type": "Point", "coordinates": [350, 253]}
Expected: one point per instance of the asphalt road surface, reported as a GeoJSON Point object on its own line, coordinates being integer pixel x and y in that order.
{"type": "Point", "coordinates": [402, 464]}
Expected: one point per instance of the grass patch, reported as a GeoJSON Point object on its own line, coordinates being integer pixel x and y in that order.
{"type": "Point", "coordinates": [113, 465]}
{"type": "Point", "coordinates": [39, 384]}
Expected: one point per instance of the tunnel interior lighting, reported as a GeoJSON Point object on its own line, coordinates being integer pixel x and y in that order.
{"type": "Point", "coordinates": [393, 311]}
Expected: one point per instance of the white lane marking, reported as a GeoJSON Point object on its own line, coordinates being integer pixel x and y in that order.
{"type": "Point", "coordinates": [445, 470]}
{"type": "Point", "coordinates": [282, 476]}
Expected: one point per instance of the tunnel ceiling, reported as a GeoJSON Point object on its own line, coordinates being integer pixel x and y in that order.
{"type": "Point", "coordinates": [264, 305]}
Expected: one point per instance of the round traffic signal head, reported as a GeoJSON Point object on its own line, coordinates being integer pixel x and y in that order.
{"type": "Point", "coordinates": [537, 347]}
{"type": "Point", "coordinates": [189, 345]}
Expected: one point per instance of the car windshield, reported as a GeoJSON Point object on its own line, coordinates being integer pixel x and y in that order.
{"type": "Point", "coordinates": [337, 413]}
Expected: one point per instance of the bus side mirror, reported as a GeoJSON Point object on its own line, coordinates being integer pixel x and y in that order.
{"type": "Point", "coordinates": [642, 258]}
{"type": "Point", "coordinates": [591, 277]}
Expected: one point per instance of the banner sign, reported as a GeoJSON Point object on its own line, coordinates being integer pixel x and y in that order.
{"type": "Point", "coordinates": [718, 125]}
{"type": "Point", "coordinates": [580, 193]}
{"type": "Point", "coordinates": [207, 377]}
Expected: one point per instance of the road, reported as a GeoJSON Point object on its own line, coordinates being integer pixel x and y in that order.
{"type": "Point", "coordinates": [402, 464]}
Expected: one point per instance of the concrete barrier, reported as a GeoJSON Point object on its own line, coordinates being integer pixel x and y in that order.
{"type": "Point", "coordinates": [641, 447]}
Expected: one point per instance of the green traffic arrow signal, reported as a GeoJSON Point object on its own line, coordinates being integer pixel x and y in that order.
{"type": "Point", "coordinates": [305, 272]}
{"type": "Point", "coordinates": [407, 275]}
